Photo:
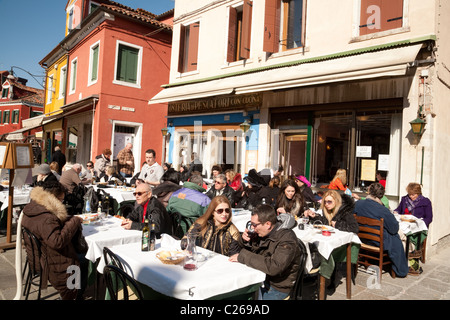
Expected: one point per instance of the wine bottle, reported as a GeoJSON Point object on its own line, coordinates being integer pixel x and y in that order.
{"type": "Point", "coordinates": [145, 237]}
{"type": "Point", "coordinates": [152, 237]}
{"type": "Point", "coordinates": [99, 209]}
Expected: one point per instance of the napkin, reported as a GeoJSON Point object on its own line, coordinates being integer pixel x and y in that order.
{"type": "Point", "coordinates": [168, 241]}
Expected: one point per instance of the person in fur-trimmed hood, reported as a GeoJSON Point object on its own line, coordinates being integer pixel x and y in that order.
{"type": "Point", "coordinates": [46, 217]}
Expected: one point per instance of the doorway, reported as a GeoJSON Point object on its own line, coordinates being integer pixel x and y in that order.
{"type": "Point", "coordinates": [293, 152]}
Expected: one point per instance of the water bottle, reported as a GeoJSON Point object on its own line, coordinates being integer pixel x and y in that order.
{"type": "Point", "coordinates": [87, 207]}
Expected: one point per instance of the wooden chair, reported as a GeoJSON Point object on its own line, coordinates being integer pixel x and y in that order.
{"type": "Point", "coordinates": [372, 229]}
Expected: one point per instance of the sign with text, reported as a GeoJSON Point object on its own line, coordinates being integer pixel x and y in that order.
{"type": "Point", "coordinates": [368, 169]}
{"type": "Point", "coordinates": [363, 151]}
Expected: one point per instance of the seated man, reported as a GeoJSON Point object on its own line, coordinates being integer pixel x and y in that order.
{"type": "Point", "coordinates": [70, 178]}
{"type": "Point", "coordinates": [273, 250]}
{"type": "Point", "coordinates": [189, 201]}
{"type": "Point", "coordinates": [148, 207]}
{"type": "Point", "coordinates": [221, 187]}
{"type": "Point", "coordinates": [151, 171]}
{"type": "Point", "coordinates": [373, 208]}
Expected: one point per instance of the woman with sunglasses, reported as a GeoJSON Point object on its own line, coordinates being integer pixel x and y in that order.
{"type": "Point", "coordinates": [337, 212]}
{"type": "Point", "coordinates": [215, 230]}
{"type": "Point", "coordinates": [290, 199]}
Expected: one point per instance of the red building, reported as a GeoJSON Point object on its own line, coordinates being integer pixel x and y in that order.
{"type": "Point", "coordinates": [17, 103]}
{"type": "Point", "coordinates": [117, 57]}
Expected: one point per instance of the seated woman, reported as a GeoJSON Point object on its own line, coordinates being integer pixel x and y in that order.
{"type": "Point", "coordinates": [419, 206]}
{"type": "Point", "coordinates": [339, 181]}
{"type": "Point", "coordinates": [215, 230]}
{"type": "Point", "coordinates": [373, 208]}
{"type": "Point", "coordinates": [337, 212]}
{"type": "Point", "coordinates": [111, 176]}
{"type": "Point", "coordinates": [234, 180]}
{"type": "Point", "coordinates": [305, 188]}
{"type": "Point", "coordinates": [290, 199]}
{"type": "Point", "coordinates": [47, 218]}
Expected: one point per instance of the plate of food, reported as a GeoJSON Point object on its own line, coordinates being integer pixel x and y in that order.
{"type": "Point", "coordinates": [89, 217]}
{"type": "Point", "coordinates": [408, 218]}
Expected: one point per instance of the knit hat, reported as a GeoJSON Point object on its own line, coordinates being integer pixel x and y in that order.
{"type": "Point", "coordinates": [43, 169]}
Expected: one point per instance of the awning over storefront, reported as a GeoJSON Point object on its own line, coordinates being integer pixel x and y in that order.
{"type": "Point", "coordinates": [334, 68]}
{"type": "Point", "coordinates": [42, 120]}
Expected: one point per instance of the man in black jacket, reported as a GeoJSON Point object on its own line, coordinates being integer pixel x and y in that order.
{"type": "Point", "coordinates": [221, 187]}
{"type": "Point", "coordinates": [59, 157]}
{"type": "Point", "coordinates": [148, 207]}
{"type": "Point", "coordinates": [273, 250]}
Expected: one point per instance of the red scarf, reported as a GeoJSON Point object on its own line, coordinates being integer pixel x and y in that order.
{"type": "Point", "coordinates": [145, 210]}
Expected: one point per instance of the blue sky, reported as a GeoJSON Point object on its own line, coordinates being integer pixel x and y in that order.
{"type": "Point", "coordinates": [28, 35]}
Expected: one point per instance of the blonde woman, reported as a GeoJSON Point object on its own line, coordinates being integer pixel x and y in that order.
{"type": "Point", "coordinates": [215, 230]}
{"type": "Point", "coordinates": [339, 181]}
{"type": "Point", "coordinates": [337, 212]}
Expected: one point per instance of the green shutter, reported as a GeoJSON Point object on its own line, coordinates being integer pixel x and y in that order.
{"type": "Point", "coordinates": [94, 63]}
{"type": "Point", "coordinates": [127, 64]}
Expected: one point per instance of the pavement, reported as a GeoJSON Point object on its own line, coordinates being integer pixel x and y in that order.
{"type": "Point", "coordinates": [432, 284]}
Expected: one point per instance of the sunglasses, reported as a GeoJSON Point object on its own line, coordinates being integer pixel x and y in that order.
{"type": "Point", "coordinates": [138, 193]}
{"type": "Point", "coordinates": [328, 201]}
{"type": "Point", "coordinates": [220, 211]}
{"type": "Point", "coordinates": [88, 165]}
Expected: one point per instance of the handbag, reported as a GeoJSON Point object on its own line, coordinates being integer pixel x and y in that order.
{"type": "Point", "coordinates": [79, 242]}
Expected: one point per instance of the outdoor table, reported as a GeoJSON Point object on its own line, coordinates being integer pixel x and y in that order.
{"type": "Point", "coordinates": [107, 233]}
{"type": "Point", "coordinates": [338, 247]}
{"type": "Point", "coordinates": [415, 231]}
{"type": "Point", "coordinates": [216, 277]}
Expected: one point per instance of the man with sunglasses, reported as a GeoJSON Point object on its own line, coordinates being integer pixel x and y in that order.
{"type": "Point", "coordinates": [220, 188]}
{"type": "Point", "coordinates": [147, 206]}
{"type": "Point", "coordinates": [274, 251]}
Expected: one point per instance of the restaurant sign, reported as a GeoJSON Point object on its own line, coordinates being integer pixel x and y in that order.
{"type": "Point", "coordinates": [219, 103]}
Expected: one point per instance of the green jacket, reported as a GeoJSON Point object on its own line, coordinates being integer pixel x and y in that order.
{"type": "Point", "coordinates": [190, 202]}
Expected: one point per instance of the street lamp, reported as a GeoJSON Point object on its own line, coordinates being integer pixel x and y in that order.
{"type": "Point", "coordinates": [245, 126]}
{"type": "Point", "coordinates": [418, 125]}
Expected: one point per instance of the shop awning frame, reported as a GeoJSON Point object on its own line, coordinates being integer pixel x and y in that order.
{"type": "Point", "coordinates": [389, 60]}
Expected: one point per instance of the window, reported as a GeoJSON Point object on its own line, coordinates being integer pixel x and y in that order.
{"type": "Point", "coordinates": [49, 89]}
{"type": "Point", "coordinates": [15, 116]}
{"type": "Point", "coordinates": [73, 75]}
{"type": "Point", "coordinates": [239, 32]}
{"type": "Point", "coordinates": [93, 63]}
{"type": "Point", "coordinates": [128, 65]}
{"type": "Point", "coordinates": [189, 37]}
{"type": "Point", "coordinates": [62, 82]}
{"type": "Point", "coordinates": [93, 6]}
{"type": "Point", "coordinates": [6, 116]}
{"type": "Point", "coordinates": [5, 93]}
{"type": "Point", "coordinates": [380, 15]}
{"type": "Point", "coordinates": [284, 25]}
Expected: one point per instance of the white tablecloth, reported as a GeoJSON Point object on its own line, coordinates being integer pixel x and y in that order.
{"type": "Point", "coordinates": [215, 276]}
{"type": "Point", "coordinates": [410, 227]}
{"type": "Point", "coordinates": [108, 234]}
{"type": "Point", "coordinates": [120, 194]}
{"type": "Point", "coordinates": [20, 197]}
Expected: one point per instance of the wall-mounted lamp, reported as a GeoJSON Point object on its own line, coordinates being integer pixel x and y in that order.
{"type": "Point", "coordinates": [418, 124]}
{"type": "Point", "coordinates": [245, 126]}
{"type": "Point", "coordinates": [164, 131]}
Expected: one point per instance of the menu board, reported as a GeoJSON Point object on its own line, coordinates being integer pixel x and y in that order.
{"type": "Point", "coordinates": [368, 169]}
{"type": "Point", "coordinates": [17, 155]}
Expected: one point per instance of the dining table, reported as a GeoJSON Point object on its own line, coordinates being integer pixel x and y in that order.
{"type": "Point", "coordinates": [413, 228]}
{"type": "Point", "coordinates": [215, 278]}
{"type": "Point", "coordinates": [339, 246]}
{"type": "Point", "coordinates": [121, 195]}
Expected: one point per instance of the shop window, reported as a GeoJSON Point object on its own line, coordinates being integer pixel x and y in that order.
{"type": "Point", "coordinates": [239, 32]}
{"type": "Point", "coordinates": [189, 41]}
{"type": "Point", "coordinates": [380, 15]}
{"type": "Point", "coordinates": [72, 144]}
{"type": "Point", "coordinates": [284, 25]}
